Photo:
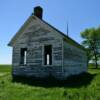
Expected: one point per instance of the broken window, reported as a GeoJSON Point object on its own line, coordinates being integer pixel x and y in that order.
{"type": "Point", "coordinates": [48, 55]}
{"type": "Point", "coordinates": [23, 56]}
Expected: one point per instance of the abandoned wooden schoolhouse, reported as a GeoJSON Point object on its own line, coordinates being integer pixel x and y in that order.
{"type": "Point", "coordinates": [40, 50]}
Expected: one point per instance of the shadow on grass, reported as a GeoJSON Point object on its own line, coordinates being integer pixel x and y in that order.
{"type": "Point", "coordinates": [74, 81]}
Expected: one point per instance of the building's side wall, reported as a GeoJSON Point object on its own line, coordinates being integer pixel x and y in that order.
{"type": "Point", "coordinates": [75, 60]}
{"type": "Point", "coordinates": [34, 41]}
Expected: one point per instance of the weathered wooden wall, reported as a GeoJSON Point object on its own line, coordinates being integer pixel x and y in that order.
{"type": "Point", "coordinates": [34, 39]}
{"type": "Point", "coordinates": [66, 58]}
{"type": "Point", "coordinates": [75, 60]}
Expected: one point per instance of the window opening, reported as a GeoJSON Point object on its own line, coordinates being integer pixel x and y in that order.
{"type": "Point", "coordinates": [23, 56]}
{"type": "Point", "coordinates": [48, 55]}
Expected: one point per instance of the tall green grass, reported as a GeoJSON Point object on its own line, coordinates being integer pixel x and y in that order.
{"type": "Point", "coordinates": [5, 68]}
{"type": "Point", "coordinates": [17, 91]}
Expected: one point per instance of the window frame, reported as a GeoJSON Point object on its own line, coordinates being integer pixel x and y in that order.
{"type": "Point", "coordinates": [43, 48]}
{"type": "Point", "coordinates": [23, 57]}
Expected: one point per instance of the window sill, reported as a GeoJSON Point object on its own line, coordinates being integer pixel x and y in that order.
{"type": "Point", "coordinates": [47, 65]}
{"type": "Point", "coordinates": [22, 64]}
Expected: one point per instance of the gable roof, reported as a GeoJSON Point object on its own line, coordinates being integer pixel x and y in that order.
{"type": "Point", "coordinates": [66, 38]}
{"type": "Point", "coordinates": [19, 31]}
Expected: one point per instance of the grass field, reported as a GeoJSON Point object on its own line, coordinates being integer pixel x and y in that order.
{"type": "Point", "coordinates": [89, 88]}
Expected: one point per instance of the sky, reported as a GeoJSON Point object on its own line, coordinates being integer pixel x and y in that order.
{"type": "Point", "coordinates": [79, 14]}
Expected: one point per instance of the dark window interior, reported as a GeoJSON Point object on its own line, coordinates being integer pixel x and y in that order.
{"type": "Point", "coordinates": [48, 55]}
{"type": "Point", "coordinates": [23, 56]}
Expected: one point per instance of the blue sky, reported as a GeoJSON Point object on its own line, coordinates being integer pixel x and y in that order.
{"type": "Point", "coordinates": [80, 14]}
